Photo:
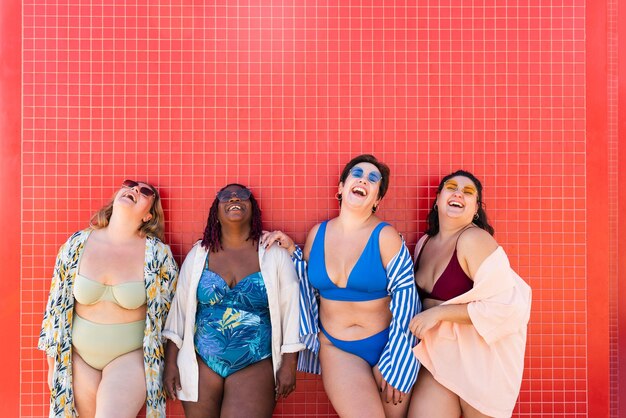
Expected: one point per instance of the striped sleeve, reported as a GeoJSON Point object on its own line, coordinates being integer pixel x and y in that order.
{"type": "Point", "coordinates": [308, 360]}
{"type": "Point", "coordinates": [397, 363]}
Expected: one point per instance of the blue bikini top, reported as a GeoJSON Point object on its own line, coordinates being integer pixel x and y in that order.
{"type": "Point", "coordinates": [367, 280]}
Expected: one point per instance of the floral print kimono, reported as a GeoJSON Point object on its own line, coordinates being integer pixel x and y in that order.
{"type": "Point", "coordinates": [160, 275]}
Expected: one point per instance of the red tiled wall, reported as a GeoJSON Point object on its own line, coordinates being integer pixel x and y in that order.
{"type": "Point", "coordinates": [278, 95]}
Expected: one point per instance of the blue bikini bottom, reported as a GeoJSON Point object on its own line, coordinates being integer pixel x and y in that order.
{"type": "Point", "coordinates": [369, 349]}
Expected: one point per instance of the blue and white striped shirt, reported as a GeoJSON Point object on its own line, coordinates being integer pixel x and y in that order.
{"type": "Point", "coordinates": [397, 364]}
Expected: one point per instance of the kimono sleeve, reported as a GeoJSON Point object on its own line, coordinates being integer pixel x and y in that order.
{"type": "Point", "coordinates": [51, 328]}
{"type": "Point", "coordinates": [308, 361]}
{"type": "Point", "coordinates": [289, 295]}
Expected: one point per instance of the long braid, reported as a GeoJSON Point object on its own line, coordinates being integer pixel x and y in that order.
{"type": "Point", "coordinates": [212, 231]}
{"type": "Point", "coordinates": [256, 228]}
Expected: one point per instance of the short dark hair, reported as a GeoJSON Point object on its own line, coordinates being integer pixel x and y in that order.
{"type": "Point", "coordinates": [368, 158]}
{"type": "Point", "coordinates": [212, 239]}
{"type": "Point", "coordinates": [481, 222]}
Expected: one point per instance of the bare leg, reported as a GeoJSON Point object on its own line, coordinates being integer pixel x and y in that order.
{"type": "Point", "coordinates": [85, 381]}
{"type": "Point", "coordinates": [250, 392]}
{"type": "Point", "coordinates": [349, 383]}
{"type": "Point", "coordinates": [122, 390]}
{"type": "Point", "coordinates": [471, 412]}
{"type": "Point", "coordinates": [210, 391]}
{"type": "Point", "coordinates": [431, 399]}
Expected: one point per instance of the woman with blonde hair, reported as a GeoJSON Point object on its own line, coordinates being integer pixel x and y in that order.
{"type": "Point", "coordinates": [109, 297]}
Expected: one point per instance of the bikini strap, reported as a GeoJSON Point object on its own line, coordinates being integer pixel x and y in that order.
{"type": "Point", "coordinates": [379, 227]}
{"type": "Point", "coordinates": [461, 233]}
{"type": "Point", "coordinates": [419, 255]}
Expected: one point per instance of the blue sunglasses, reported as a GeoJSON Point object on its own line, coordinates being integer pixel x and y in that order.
{"type": "Point", "coordinates": [358, 173]}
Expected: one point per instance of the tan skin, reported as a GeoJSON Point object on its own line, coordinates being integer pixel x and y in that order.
{"type": "Point", "coordinates": [457, 204]}
{"type": "Point", "coordinates": [118, 390]}
{"type": "Point", "coordinates": [354, 388]}
{"type": "Point", "coordinates": [252, 391]}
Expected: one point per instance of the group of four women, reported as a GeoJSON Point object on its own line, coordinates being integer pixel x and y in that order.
{"type": "Point", "coordinates": [226, 335]}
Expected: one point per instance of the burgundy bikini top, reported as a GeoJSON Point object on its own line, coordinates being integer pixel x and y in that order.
{"type": "Point", "coordinates": [452, 282]}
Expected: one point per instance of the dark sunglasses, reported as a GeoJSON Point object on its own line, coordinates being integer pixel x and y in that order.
{"type": "Point", "coordinates": [146, 191]}
{"type": "Point", "coordinates": [226, 195]}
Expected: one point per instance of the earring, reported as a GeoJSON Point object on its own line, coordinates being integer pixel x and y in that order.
{"type": "Point", "coordinates": [476, 216]}
{"type": "Point", "coordinates": [435, 207]}
{"type": "Point", "coordinates": [374, 208]}
{"type": "Point", "coordinates": [338, 196]}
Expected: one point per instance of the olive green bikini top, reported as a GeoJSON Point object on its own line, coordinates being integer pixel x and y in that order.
{"type": "Point", "coordinates": [129, 295]}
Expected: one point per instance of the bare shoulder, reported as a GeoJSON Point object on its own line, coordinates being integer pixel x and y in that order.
{"type": "Point", "coordinates": [309, 241]}
{"type": "Point", "coordinates": [310, 237]}
{"type": "Point", "coordinates": [390, 242]}
{"type": "Point", "coordinates": [418, 246]}
{"type": "Point", "coordinates": [474, 246]}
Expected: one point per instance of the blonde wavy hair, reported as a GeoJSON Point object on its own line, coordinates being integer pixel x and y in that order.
{"type": "Point", "coordinates": [155, 227]}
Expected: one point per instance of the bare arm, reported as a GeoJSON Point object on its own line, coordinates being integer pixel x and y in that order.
{"type": "Point", "coordinates": [286, 375]}
{"type": "Point", "coordinates": [473, 247]}
{"type": "Point", "coordinates": [50, 370]}
{"type": "Point", "coordinates": [171, 376]}
{"type": "Point", "coordinates": [430, 318]}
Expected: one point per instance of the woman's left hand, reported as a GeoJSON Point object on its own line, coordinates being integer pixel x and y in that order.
{"type": "Point", "coordinates": [424, 321]}
{"type": "Point", "coordinates": [279, 237]}
{"type": "Point", "coordinates": [286, 376]}
{"type": "Point", "coordinates": [387, 392]}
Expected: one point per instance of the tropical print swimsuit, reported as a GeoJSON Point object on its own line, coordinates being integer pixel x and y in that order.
{"type": "Point", "coordinates": [233, 328]}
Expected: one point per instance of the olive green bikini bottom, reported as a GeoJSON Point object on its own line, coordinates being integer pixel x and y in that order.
{"type": "Point", "coordinates": [99, 344]}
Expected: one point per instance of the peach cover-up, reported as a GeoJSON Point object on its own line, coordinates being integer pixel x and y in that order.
{"type": "Point", "coordinates": [483, 363]}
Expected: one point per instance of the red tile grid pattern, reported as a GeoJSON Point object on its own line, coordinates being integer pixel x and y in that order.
{"type": "Point", "coordinates": [279, 95]}
{"type": "Point", "coordinates": [612, 116]}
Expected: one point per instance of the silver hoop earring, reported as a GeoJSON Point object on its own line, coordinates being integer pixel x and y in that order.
{"type": "Point", "coordinates": [476, 216]}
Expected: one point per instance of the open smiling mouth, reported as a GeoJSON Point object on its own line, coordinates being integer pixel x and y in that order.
{"type": "Point", "coordinates": [359, 191]}
{"type": "Point", "coordinates": [234, 207]}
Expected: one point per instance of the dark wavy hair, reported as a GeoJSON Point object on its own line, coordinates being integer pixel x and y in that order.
{"type": "Point", "coordinates": [368, 158]}
{"type": "Point", "coordinates": [212, 239]}
{"type": "Point", "coordinates": [481, 222]}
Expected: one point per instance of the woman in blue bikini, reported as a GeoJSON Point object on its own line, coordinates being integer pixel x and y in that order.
{"type": "Point", "coordinates": [357, 298]}
{"type": "Point", "coordinates": [233, 326]}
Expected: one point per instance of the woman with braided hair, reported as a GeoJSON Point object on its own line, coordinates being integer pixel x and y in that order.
{"type": "Point", "coordinates": [233, 326]}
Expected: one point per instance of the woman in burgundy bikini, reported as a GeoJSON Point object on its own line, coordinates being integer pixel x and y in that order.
{"type": "Point", "coordinates": [476, 311]}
